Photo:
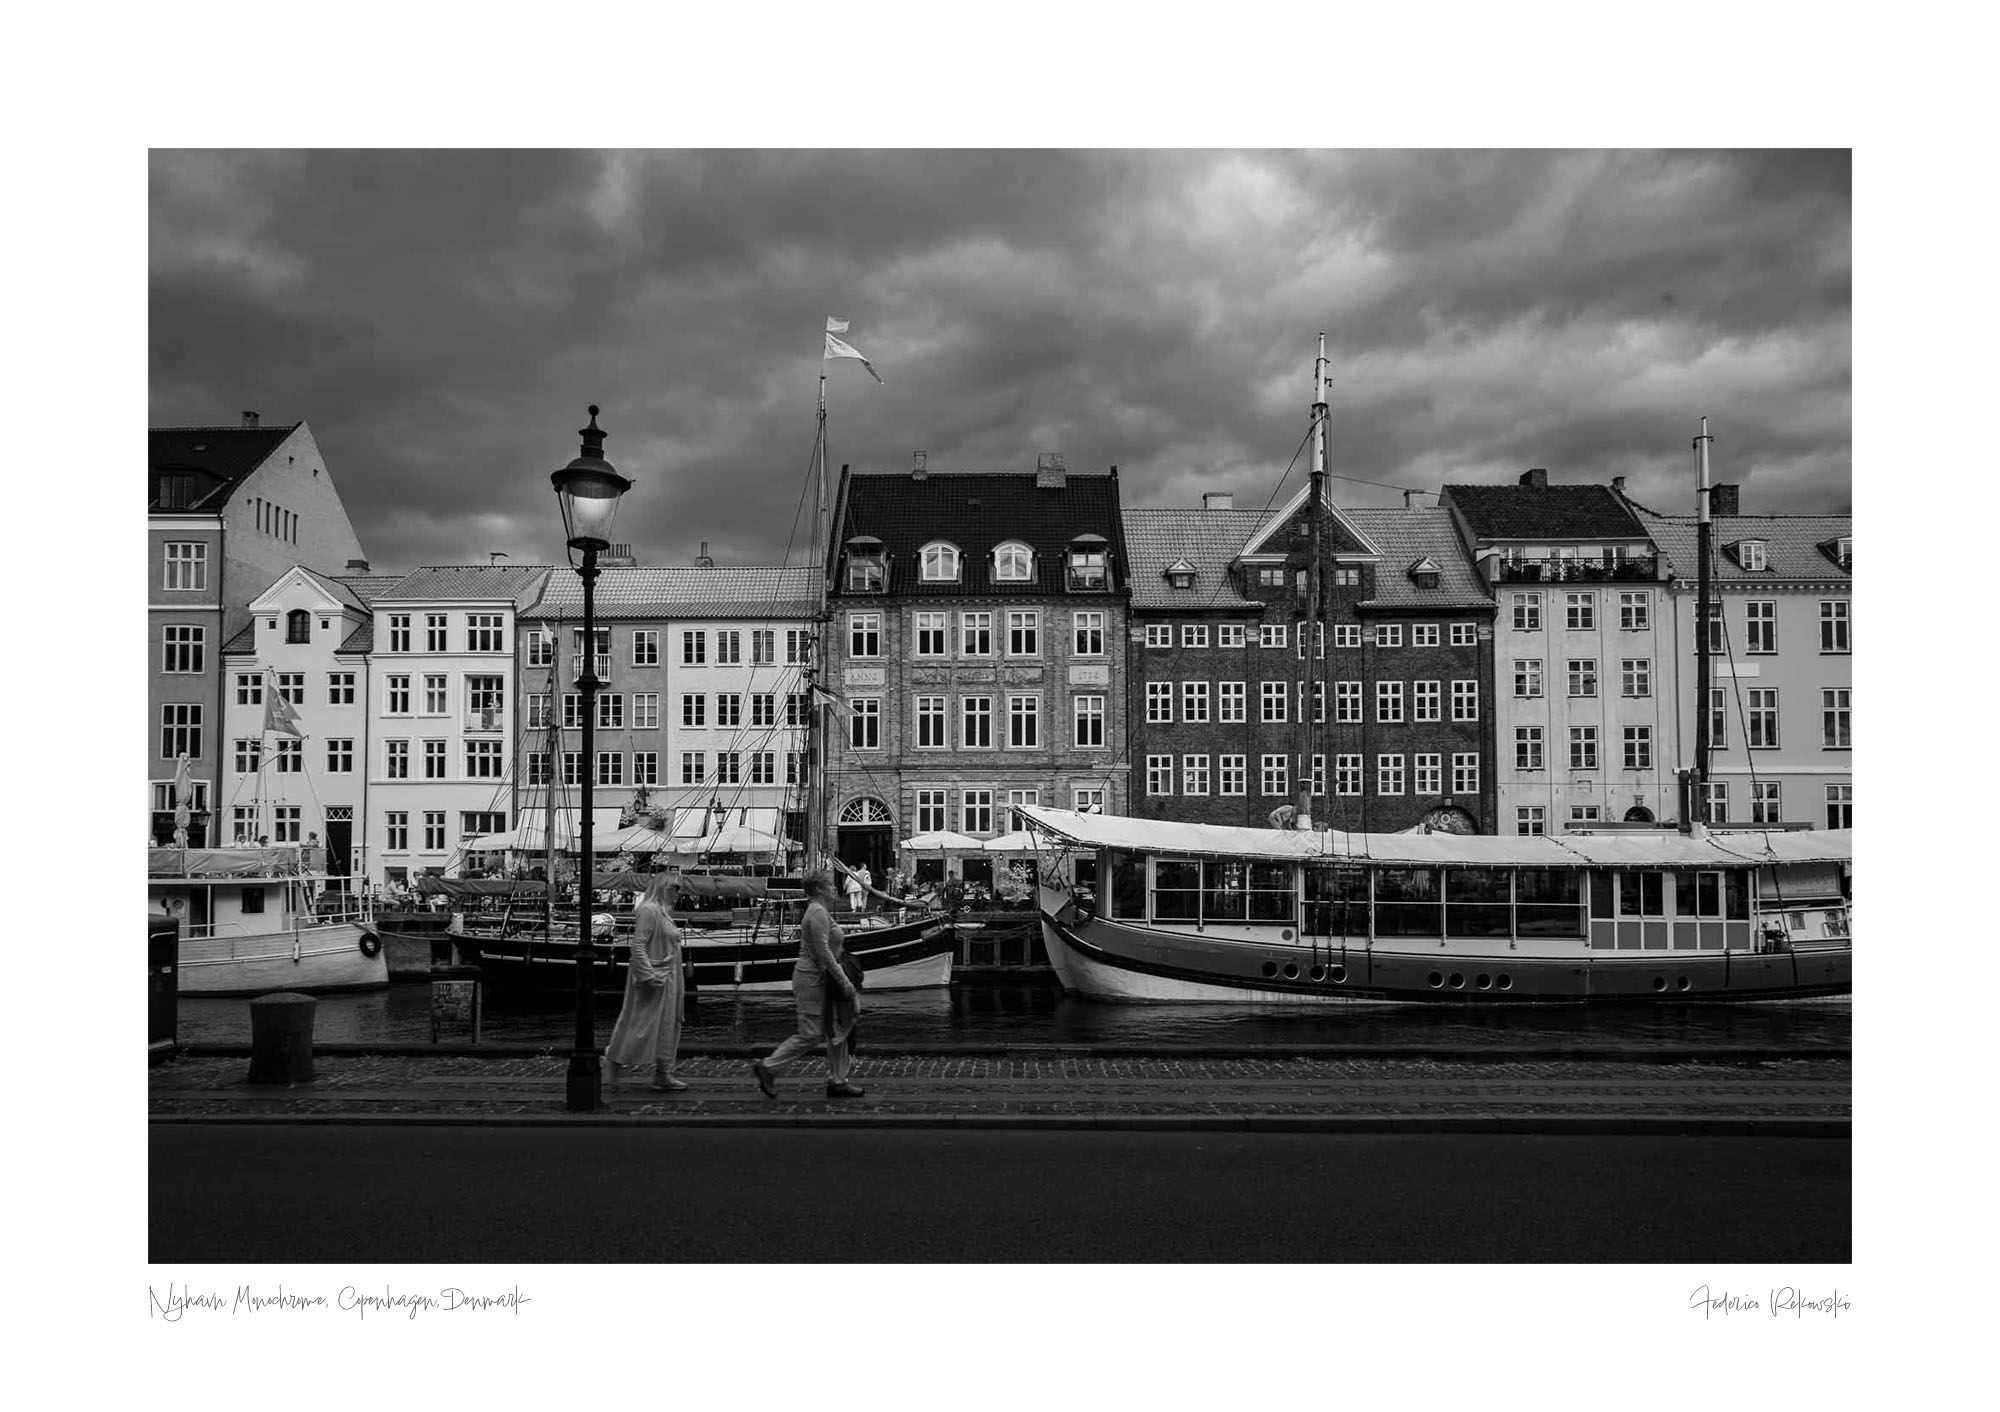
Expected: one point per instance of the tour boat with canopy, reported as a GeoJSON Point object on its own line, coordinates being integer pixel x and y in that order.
{"type": "Point", "coordinates": [256, 920]}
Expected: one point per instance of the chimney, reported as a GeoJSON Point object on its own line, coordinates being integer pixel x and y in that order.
{"type": "Point", "coordinates": [1218, 500]}
{"type": "Point", "coordinates": [1410, 499]}
{"type": "Point", "coordinates": [701, 560]}
{"type": "Point", "coordinates": [617, 556]}
{"type": "Point", "coordinates": [1722, 500]}
{"type": "Point", "coordinates": [357, 566]}
{"type": "Point", "coordinates": [1538, 478]}
{"type": "Point", "coordinates": [1049, 472]}
{"type": "Point", "coordinates": [920, 469]}
{"type": "Point", "coordinates": [1618, 486]}
{"type": "Point", "coordinates": [249, 421]}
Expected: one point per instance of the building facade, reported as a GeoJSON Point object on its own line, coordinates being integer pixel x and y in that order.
{"type": "Point", "coordinates": [229, 509]}
{"type": "Point", "coordinates": [1584, 707]}
{"type": "Point", "coordinates": [975, 644]}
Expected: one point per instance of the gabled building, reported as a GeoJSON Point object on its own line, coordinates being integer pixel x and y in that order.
{"type": "Point", "coordinates": [229, 508]}
{"type": "Point", "coordinates": [977, 623]}
{"type": "Point", "coordinates": [1583, 718]}
{"type": "Point", "coordinates": [1218, 669]}
{"type": "Point", "coordinates": [1781, 685]}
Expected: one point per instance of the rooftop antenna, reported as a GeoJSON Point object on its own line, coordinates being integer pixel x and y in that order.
{"type": "Point", "coordinates": [494, 556]}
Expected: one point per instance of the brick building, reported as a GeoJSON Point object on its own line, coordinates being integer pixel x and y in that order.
{"type": "Point", "coordinates": [976, 623]}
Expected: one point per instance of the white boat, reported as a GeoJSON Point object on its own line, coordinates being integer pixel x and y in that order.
{"type": "Point", "coordinates": [259, 920]}
{"type": "Point", "coordinates": [1164, 911]}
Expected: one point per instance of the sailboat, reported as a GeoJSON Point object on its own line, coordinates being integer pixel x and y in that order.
{"type": "Point", "coordinates": [1298, 914]}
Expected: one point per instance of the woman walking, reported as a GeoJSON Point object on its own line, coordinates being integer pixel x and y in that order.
{"type": "Point", "coordinates": [649, 1024]}
{"type": "Point", "coordinates": [828, 1001]}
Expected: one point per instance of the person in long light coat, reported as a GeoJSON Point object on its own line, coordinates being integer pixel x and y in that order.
{"type": "Point", "coordinates": [649, 1024]}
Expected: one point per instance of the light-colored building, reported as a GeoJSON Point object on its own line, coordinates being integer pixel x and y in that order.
{"type": "Point", "coordinates": [1781, 687]}
{"type": "Point", "coordinates": [229, 509]}
{"type": "Point", "coordinates": [443, 723]}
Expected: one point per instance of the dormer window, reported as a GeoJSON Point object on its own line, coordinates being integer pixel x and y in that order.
{"type": "Point", "coordinates": [1425, 573]}
{"type": "Point", "coordinates": [1013, 562]}
{"type": "Point", "coordinates": [1843, 551]}
{"type": "Point", "coordinates": [1750, 556]}
{"type": "Point", "coordinates": [1180, 574]}
{"type": "Point", "coordinates": [298, 626]}
{"type": "Point", "coordinates": [939, 563]}
{"type": "Point", "coordinates": [867, 565]}
{"type": "Point", "coordinates": [1089, 563]}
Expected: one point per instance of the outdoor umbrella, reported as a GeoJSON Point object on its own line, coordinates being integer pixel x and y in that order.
{"type": "Point", "coordinates": [938, 840]}
{"type": "Point", "coordinates": [1020, 841]}
{"type": "Point", "coordinates": [183, 788]}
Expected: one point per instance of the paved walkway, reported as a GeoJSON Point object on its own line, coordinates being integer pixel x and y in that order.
{"type": "Point", "coordinates": [1787, 1095]}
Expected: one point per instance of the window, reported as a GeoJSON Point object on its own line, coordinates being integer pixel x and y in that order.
{"type": "Point", "coordinates": [249, 756]}
{"type": "Point", "coordinates": [1088, 799]}
{"type": "Point", "coordinates": [867, 571]}
{"type": "Point", "coordinates": [728, 710]}
{"type": "Point", "coordinates": [1024, 634]}
{"type": "Point", "coordinates": [434, 632]}
{"type": "Point", "coordinates": [180, 730]}
{"type": "Point", "coordinates": [1231, 775]}
{"type": "Point", "coordinates": [476, 823]}
{"type": "Point", "coordinates": [1389, 702]}
{"type": "Point", "coordinates": [1718, 717]}
{"type": "Point", "coordinates": [1750, 554]}
{"type": "Point", "coordinates": [1716, 802]}
{"type": "Point", "coordinates": [288, 757]}
{"type": "Point", "coordinates": [399, 632]}
{"type": "Point", "coordinates": [1583, 747]}
{"type": "Point", "coordinates": [1194, 774]}
{"type": "Point", "coordinates": [975, 634]}
{"type": "Point", "coordinates": [1465, 773]}
{"type": "Point", "coordinates": [435, 695]}
{"type": "Point", "coordinates": [434, 759]}
{"type": "Point", "coordinates": [694, 712]}
{"type": "Point", "coordinates": [1024, 722]}
{"type": "Point", "coordinates": [1229, 635]}
{"type": "Point", "coordinates": [1840, 806]}
{"type": "Point", "coordinates": [292, 687]}
{"type": "Point", "coordinates": [1428, 775]}
{"type": "Point", "coordinates": [1583, 676]}
{"type": "Point", "coordinates": [976, 723]}
{"type": "Point", "coordinates": [483, 633]}
{"type": "Point", "coordinates": [645, 647]}
{"type": "Point", "coordinates": [763, 647]}
{"type": "Point", "coordinates": [1347, 636]}
{"type": "Point", "coordinates": [1766, 802]}
{"type": "Point", "coordinates": [1635, 611]}
{"type": "Point", "coordinates": [1347, 774]}
{"type": "Point", "coordinates": [396, 763]}
{"type": "Point", "coordinates": [1635, 676]}
{"type": "Point", "coordinates": [976, 811]}
{"type": "Point", "coordinates": [694, 649]}
{"type": "Point", "coordinates": [482, 760]}
{"type": "Point", "coordinates": [1464, 634]}
{"type": "Point", "coordinates": [1423, 634]}
{"type": "Point", "coordinates": [939, 563]}
{"type": "Point", "coordinates": [485, 698]}
{"type": "Point", "coordinates": [1273, 701]}
{"type": "Point", "coordinates": [763, 710]}
{"type": "Point", "coordinates": [1761, 728]}
{"type": "Point", "coordinates": [542, 647]}
{"type": "Point", "coordinates": [1319, 637]}
{"type": "Point", "coordinates": [798, 646]}
{"type": "Point", "coordinates": [1833, 625]}
{"type": "Point", "coordinates": [729, 647]}
{"type": "Point", "coordinates": [1159, 774]}
{"type": "Point", "coordinates": [1013, 563]}
{"type": "Point", "coordinates": [250, 689]}
{"type": "Point", "coordinates": [931, 641]}
{"type": "Point", "coordinates": [1016, 798]}
{"type": "Point", "coordinates": [298, 626]}
{"type": "Point", "coordinates": [1388, 774]}
{"type": "Point", "coordinates": [397, 829]}
{"type": "Point", "coordinates": [340, 688]}
{"type": "Point", "coordinates": [931, 734]}
{"type": "Point", "coordinates": [538, 711]}
{"type": "Point", "coordinates": [1271, 635]}
{"type": "Point", "coordinates": [1089, 717]}
{"type": "Point", "coordinates": [646, 710]}
{"type": "Point", "coordinates": [1716, 646]}
{"type": "Point", "coordinates": [434, 831]}
{"type": "Point", "coordinates": [1088, 635]}
{"type": "Point", "coordinates": [572, 767]}
{"type": "Point", "coordinates": [796, 710]}
{"type": "Point", "coordinates": [1194, 634]}
{"type": "Point", "coordinates": [611, 711]}
{"type": "Point", "coordinates": [728, 767]}
{"type": "Point", "coordinates": [1527, 747]}
{"type": "Point", "coordinates": [1348, 577]}
{"type": "Point", "coordinates": [1465, 700]}
{"type": "Point", "coordinates": [1270, 578]}
{"type": "Point", "coordinates": [1159, 701]}
{"type": "Point", "coordinates": [1835, 711]}
{"type": "Point", "coordinates": [243, 821]}
{"type": "Point", "coordinates": [931, 806]}
{"type": "Point", "coordinates": [694, 766]}
{"type": "Point", "coordinates": [1527, 609]}
{"type": "Point", "coordinates": [1346, 702]}
{"type": "Point", "coordinates": [340, 755]}
{"type": "Point", "coordinates": [1159, 634]}
{"type": "Point", "coordinates": [1530, 819]}
{"type": "Point", "coordinates": [1761, 631]}
{"type": "Point", "coordinates": [1580, 612]}
{"type": "Point", "coordinates": [610, 767]}
{"type": "Point", "coordinates": [1194, 702]}
{"type": "Point", "coordinates": [1389, 635]}
{"type": "Point", "coordinates": [1638, 747]}
{"type": "Point", "coordinates": [538, 768]}
{"type": "Point", "coordinates": [1276, 775]}
{"type": "Point", "coordinates": [1231, 704]}
{"type": "Point", "coordinates": [1528, 677]}
{"type": "Point", "coordinates": [1585, 813]}
{"type": "Point", "coordinates": [187, 567]}
{"type": "Point", "coordinates": [285, 821]}
{"type": "Point", "coordinates": [399, 695]}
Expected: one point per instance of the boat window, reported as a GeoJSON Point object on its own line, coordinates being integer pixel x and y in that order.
{"type": "Point", "coordinates": [1549, 901]}
{"type": "Point", "coordinates": [1223, 890]}
{"type": "Point", "coordinates": [1406, 902]}
{"type": "Point", "coordinates": [1476, 901]}
{"type": "Point", "coordinates": [1337, 901]}
{"type": "Point", "coordinates": [1271, 892]}
{"type": "Point", "coordinates": [1642, 895]}
{"type": "Point", "coordinates": [1177, 890]}
{"type": "Point", "coordinates": [1601, 893]}
{"type": "Point", "coordinates": [1736, 894]}
{"type": "Point", "coordinates": [1698, 894]}
{"type": "Point", "coordinates": [1128, 885]}
{"type": "Point", "coordinates": [253, 899]}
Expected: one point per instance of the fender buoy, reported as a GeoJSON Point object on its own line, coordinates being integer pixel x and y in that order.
{"type": "Point", "coordinates": [371, 945]}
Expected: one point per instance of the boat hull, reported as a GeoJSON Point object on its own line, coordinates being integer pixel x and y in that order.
{"type": "Point", "coordinates": [314, 960]}
{"type": "Point", "coordinates": [1111, 961]}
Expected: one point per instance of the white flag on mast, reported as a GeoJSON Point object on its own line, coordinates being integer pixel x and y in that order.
{"type": "Point", "coordinates": [834, 325]}
{"type": "Point", "coordinates": [835, 348]}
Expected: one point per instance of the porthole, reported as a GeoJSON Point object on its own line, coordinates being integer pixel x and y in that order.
{"type": "Point", "coordinates": [1318, 973]}
{"type": "Point", "coordinates": [1291, 970]}
{"type": "Point", "coordinates": [1339, 974]}
{"type": "Point", "coordinates": [1286, 934]}
{"type": "Point", "coordinates": [1506, 982]}
{"type": "Point", "coordinates": [1684, 983]}
{"type": "Point", "coordinates": [1659, 982]}
{"type": "Point", "coordinates": [1437, 980]}
{"type": "Point", "coordinates": [1270, 968]}
{"type": "Point", "coordinates": [1457, 981]}
{"type": "Point", "coordinates": [1484, 982]}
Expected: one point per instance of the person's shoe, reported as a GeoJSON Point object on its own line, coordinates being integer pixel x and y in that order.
{"type": "Point", "coordinates": [667, 1083]}
{"type": "Point", "coordinates": [766, 1080]}
{"type": "Point", "coordinates": [844, 1090]}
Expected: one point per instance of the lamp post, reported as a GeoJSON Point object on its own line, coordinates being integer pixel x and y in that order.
{"type": "Point", "coordinates": [587, 489]}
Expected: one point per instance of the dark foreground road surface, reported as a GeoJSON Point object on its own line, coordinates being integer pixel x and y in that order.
{"type": "Point", "coordinates": [309, 1193]}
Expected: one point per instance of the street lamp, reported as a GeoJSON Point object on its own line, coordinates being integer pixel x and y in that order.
{"type": "Point", "coordinates": [587, 489]}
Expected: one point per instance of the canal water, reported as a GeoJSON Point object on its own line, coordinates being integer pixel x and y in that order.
{"type": "Point", "coordinates": [1037, 1012]}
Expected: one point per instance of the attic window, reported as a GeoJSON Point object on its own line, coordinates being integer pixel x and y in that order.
{"type": "Point", "coordinates": [1088, 563]}
{"type": "Point", "coordinates": [939, 562]}
{"type": "Point", "coordinates": [1180, 574]}
{"type": "Point", "coordinates": [1425, 573]}
{"type": "Point", "coordinates": [298, 626]}
{"type": "Point", "coordinates": [867, 567]}
{"type": "Point", "coordinates": [1750, 555]}
{"type": "Point", "coordinates": [1843, 551]}
{"type": "Point", "coordinates": [1013, 562]}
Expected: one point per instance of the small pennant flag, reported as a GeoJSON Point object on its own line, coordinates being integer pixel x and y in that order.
{"type": "Point", "coordinates": [279, 715]}
{"type": "Point", "coordinates": [834, 325]}
{"type": "Point", "coordinates": [835, 348]}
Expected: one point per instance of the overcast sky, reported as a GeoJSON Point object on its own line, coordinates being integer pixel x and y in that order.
{"type": "Point", "coordinates": [442, 320]}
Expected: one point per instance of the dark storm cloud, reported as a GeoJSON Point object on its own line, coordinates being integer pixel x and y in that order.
{"type": "Point", "coordinates": [441, 319]}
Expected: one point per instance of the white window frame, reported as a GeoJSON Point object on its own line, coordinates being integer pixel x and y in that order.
{"type": "Point", "coordinates": [1232, 775]}
{"type": "Point", "coordinates": [1465, 699]}
{"type": "Point", "coordinates": [1194, 702]}
{"type": "Point", "coordinates": [932, 719]}
{"type": "Point", "coordinates": [1159, 634]}
{"type": "Point", "coordinates": [1194, 634]}
{"type": "Point", "coordinates": [1580, 612]}
{"type": "Point", "coordinates": [1274, 776]}
{"type": "Point", "coordinates": [1229, 635]}
{"type": "Point", "coordinates": [1159, 703]}
{"type": "Point", "coordinates": [979, 710]}
{"type": "Point", "coordinates": [1635, 677]}
{"type": "Point", "coordinates": [939, 562]}
{"type": "Point", "coordinates": [1528, 749]}
{"type": "Point", "coordinates": [1087, 634]}
{"type": "Point", "coordinates": [1389, 774]}
{"type": "Point", "coordinates": [1427, 701]}
{"type": "Point", "coordinates": [1760, 627]}
{"type": "Point", "coordinates": [1525, 611]}
{"type": "Point", "coordinates": [1583, 747]}
{"type": "Point", "coordinates": [1013, 562]}
{"type": "Point", "coordinates": [1635, 610]}
{"type": "Point", "coordinates": [1194, 775]}
{"type": "Point", "coordinates": [932, 631]}
{"type": "Point", "coordinates": [1582, 673]}
{"type": "Point", "coordinates": [1465, 772]}
{"type": "Point", "coordinates": [1835, 615]}
{"type": "Point", "coordinates": [1388, 634]}
{"type": "Point", "coordinates": [1465, 634]}
{"type": "Point", "coordinates": [185, 567]}
{"type": "Point", "coordinates": [1087, 718]}
{"type": "Point", "coordinates": [1272, 697]}
{"type": "Point", "coordinates": [1232, 702]}
{"type": "Point", "coordinates": [1024, 632]}
{"type": "Point", "coordinates": [645, 647]}
{"type": "Point", "coordinates": [976, 627]}
{"type": "Point", "coordinates": [864, 723]}
{"type": "Point", "coordinates": [1427, 774]}
{"type": "Point", "coordinates": [1024, 721]}
{"type": "Point", "coordinates": [1159, 776]}
{"type": "Point", "coordinates": [1389, 703]}
{"type": "Point", "coordinates": [1528, 679]}
{"type": "Point", "coordinates": [1347, 708]}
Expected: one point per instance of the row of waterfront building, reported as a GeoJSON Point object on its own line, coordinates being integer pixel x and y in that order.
{"type": "Point", "coordinates": [1502, 658]}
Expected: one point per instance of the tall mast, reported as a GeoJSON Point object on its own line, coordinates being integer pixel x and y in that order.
{"type": "Point", "coordinates": [549, 784]}
{"type": "Point", "coordinates": [1309, 644]}
{"type": "Point", "coordinates": [1704, 549]}
{"type": "Point", "coordinates": [815, 752]}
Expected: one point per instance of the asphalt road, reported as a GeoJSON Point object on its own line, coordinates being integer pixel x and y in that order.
{"type": "Point", "coordinates": [307, 1193]}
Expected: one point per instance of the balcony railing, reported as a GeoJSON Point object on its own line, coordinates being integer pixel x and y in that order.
{"type": "Point", "coordinates": [489, 720]}
{"type": "Point", "coordinates": [1550, 568]}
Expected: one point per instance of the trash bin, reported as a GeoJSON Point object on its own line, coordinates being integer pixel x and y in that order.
{"type": "Point", "coordinates": [163, 978]}
{"type": "Point", "coordinates": [281, 1038]}
{"type": "Point", "coordinates": [455, 1003]}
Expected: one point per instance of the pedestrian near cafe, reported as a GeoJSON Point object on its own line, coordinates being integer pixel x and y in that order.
{"type": "Point", "coordinates": [649, 1023]}
{"type": "Point", "coordinates": [854, 893]}
{"type": "Point", "coordinates": [827, 998]}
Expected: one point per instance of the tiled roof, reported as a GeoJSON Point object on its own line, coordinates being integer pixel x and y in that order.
{"type": "Point", "coordinates": [978, 510]}
{"type": "Point", "coordinates": [1207, 539]}
{"type": "Point", "coordinates": [221, 457]}
{"type": "Point", "coordinates": [245, 639]}
{"type": "Point", "coordinates": [1406, 536]}
{"type": "Point", "coordinates": [337, 589]}
{"type": "Point", "coordinates": [520, 582]}
{"type": "Point", "coordinates": [362, 639]}
{"type": "Point", "coordinates": [1543, 512]}
{"type": "Point", "coordinates": [368, 587]}
{"type": "Point", "coordinates": [1792, 545]}
{"type": "Point", "coordinates": [753, 592]}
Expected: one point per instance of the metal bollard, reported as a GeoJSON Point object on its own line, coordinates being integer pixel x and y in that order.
{"type": "Point", "coordinates": [281, 1038]}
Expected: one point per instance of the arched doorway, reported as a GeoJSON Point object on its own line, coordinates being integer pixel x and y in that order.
{"type": "Point", "coordinates": [1638, 814]}
{"type": "Point", "coordinates": [1449, 818]}
{"type": "Point", "coordinates": [865, 837]}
